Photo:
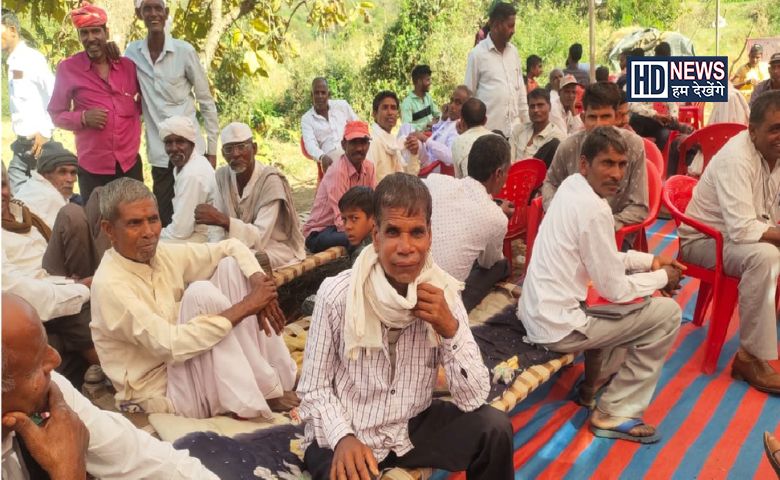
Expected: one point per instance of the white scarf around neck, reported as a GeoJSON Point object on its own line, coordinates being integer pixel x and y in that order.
{"type": "Point", "coordinates": [373, 302]}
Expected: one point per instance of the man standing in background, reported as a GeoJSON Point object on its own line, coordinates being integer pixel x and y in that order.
{"type": "Point", "coordinates": [172, 80]}
{"type": "Point", "coordinates": [30, 84]}
{"type": "Point", "coordinates": [494, 74]}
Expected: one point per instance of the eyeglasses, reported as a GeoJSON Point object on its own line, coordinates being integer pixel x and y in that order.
{"type": "Point", "coordinates": [237, 148]}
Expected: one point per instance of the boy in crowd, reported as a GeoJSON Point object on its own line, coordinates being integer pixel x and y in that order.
{"type": "Point", "coordinates": [357, 213]}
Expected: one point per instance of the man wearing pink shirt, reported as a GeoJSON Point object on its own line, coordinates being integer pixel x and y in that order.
{"type": "Point", "coordinates": [325, 229]}
{"type": "Point", "coordinates": [98, 99]}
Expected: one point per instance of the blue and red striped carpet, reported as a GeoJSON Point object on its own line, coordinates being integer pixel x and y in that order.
{"type": "Point", "coordinates": [712, 426]}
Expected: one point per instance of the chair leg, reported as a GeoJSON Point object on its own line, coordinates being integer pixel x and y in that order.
{"type": "Point", "coordinates": [640, 243]}
{"type": "Point", "coordinates": [722, 311]}
{"type": "Point", "coordinates": [703, 301]}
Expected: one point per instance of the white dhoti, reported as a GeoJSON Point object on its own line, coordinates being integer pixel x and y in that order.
{"type": "Point", "coordinates": [240, 372]}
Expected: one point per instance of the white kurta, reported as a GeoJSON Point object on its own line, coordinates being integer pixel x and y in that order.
{"type": "Point", "coordinates": [388, 154]}
{"type": "Point", "coordinates": [461, 148]}
{"type": "Point", "coordinates": [41, 198]}
{"type": "Point", "coordinates": [194, 184]}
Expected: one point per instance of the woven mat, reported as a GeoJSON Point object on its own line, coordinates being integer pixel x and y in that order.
{"type": "Point", "coordinates": [246, 449]}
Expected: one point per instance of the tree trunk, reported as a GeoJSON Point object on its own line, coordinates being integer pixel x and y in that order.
{"type": "Point", "coordinates": [121, 16]}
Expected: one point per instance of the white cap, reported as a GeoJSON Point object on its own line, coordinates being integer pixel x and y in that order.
{"type": "Point", "coordinates": [236, 132]}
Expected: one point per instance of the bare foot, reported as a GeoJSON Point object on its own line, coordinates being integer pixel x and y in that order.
{"type": "Point", "coordinates": [285, 403]}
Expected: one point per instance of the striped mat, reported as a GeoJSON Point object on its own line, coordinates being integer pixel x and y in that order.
{"type": "Point", "coordinates": [712, 426]}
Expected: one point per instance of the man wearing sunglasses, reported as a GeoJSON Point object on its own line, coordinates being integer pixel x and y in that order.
{"type": "Point", "coordinates": [254, 203]}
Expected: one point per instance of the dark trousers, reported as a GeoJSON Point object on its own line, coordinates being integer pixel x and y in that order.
{"type": "Point", "coordinates": [317, 242]}
{"type": "Point", "coordinates": [77, 244]}
{"type": "Point", "coordinates": [481, 280]}
{"type": "Point", "coordinates": [89, 181]}
{"type": "Point", "coordinates": [70, 336]}
{"type": "Point", "coordinates": [162, 186]}
{"type": "Point", "coordinates": [547, 151]}
{"type": "Point", "coordinates": [651, 128]}
{"type": "Point", "coordinates": [479, 442]}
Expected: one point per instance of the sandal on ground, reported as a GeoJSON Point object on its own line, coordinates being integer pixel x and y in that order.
{"type": "Point", "coordinates": [771, 448]}
{"type": "Point", "coordinates": [621, 432]}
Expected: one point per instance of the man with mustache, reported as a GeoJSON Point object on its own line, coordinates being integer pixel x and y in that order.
{"type": "Point", "coordinates": [97, 98]}
{"type": "Point", "coordinates": [739, 195]}
{"type": "Point", "coordinates": [629, 201]}
{"type": "Point", "coordinates": [75, 438]}
{"type": "Point", "coordinates": [254, 203]}
{"type": "Point", "coordinates": [194, 181]}
{"type": "Point", "coordinates": [392, 152]}
{"type": "Point", "coordinates": [325, 228]}
{"type": "Point", "coordinates": [172, 81]}
{"type": "Point", "coordinates": [576, 246]}
{"type": "Point", "coordinates": [177, 325]}
{"type": "Point", "coordinates": [378, 335]}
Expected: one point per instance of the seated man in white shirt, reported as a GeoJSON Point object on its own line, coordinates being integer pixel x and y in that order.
{"type": "Point", "coordinates": [378, 335]}
{"type": "Point", "coordinates": [562, 109]}
{"type": "Point", "coordinates": [391, 153]}
{"type": "Point", "coordinates": [75, 437]}
{"type": "Point", "coordinates": [473, 117]}
{"type": "Point", "coordinates": [254, 203]}
{"type": "Point", "coordinates": [63, 303]}
{"type": "Point", "coordinates": [472, 251]}
{"type": "Point", "coordinates": [738, 194]}
{"type": "Point", "coordinates": [630, 202]}
{"type": "Point", "coordinates": [539, 138]}
{"type": "Point", "coordinates": [194, 181]}
{"type": "Point", "coordinates": [576, 246]}
{"type": "Point", "coordinates": [177, 325]}
{"type": "Point", "coordinates": [50, 187]}
{"type": "Point", "coordinates": [322, 126]}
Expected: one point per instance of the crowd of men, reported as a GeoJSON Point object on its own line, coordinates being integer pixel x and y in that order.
{"type": "Point", "coordinates": [168, 292]}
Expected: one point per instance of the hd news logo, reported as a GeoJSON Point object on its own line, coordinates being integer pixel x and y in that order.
{"type": "Point", "coordinates": [677, 79]}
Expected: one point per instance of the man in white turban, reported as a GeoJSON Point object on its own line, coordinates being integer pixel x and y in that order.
{"type": "Point", "coordinates": [194, 182]}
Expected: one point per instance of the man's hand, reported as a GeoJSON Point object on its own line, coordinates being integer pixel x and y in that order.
{"type": "Point", "coordinates": [60, 444]}
{"type": "Point", "coordinates": [352, 460]}
{"type": "Point", "coordinates": [325, 162]}
{"type": "Point", "coordinates": [263, 303]}
{"type": "Point", "coordinates": [432, 308]}
{"type": "Point", "coordinates": [38, 141]}
{"type": "Point", "coordinates": [87, 282]}
{"type": "Point", "coordinates": [411, 144]}
{"type": "Point", "coordinates": [212, 160]}
{"type": "Point", "coordinates": [674, 275]}
{"type": "Point", "coordinates": [663, 119]}
{"type": "Point", "coordinates": [507, 207]}
{"type": "Point", "coordinates": [208, 215]}
{"type": "Point", "coordinates": [95, 118]}
{"type": "Point", "coordinates": [661, 261]}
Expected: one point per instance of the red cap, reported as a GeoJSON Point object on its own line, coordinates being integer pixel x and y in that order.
{"type": "Point", "coordinates": [88, 15]}
{"type": "Point", "coordinates": [356, 129]}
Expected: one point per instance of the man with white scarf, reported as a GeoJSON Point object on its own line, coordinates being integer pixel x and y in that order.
{"type": "Point", "coordinates": [391, 153]}
{"type": "Point", "coordinates": [194, 182]}
{"type": "Point", "coordinates": [378, 335]}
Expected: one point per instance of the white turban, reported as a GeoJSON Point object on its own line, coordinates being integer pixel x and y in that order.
{"type": "Point", "coordinates": [178, 125]}
{"type": "Point", "coordinates": [236, 132]}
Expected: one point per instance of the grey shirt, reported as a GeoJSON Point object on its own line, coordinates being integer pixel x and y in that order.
{"type": "Point", "coordinates": [630, 204]}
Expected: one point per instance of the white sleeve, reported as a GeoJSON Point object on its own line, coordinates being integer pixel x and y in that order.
{"type": "Point", "coordinates": [309, 139]}
{"type": "Point", "coordinates": [208, 108]}
{"type": "Point", "coordinates": [189, 192]}
{"type": "Point", "coordinates": [49, 299]}
{"type": "Point", "coordinates": [257, 234]}
{"type": "Point", "coordinates": [119, 450]}
{"type": "Point", "coordinates": [472, 72]}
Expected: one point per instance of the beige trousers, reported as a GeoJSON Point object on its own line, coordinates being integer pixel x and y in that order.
{"type": "Point", "coordinates": [758, 264]}
{"type": "Point", "coordinates": [643, 338]}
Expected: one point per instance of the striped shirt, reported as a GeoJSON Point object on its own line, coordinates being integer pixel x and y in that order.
{"type": "Point", "coordinates": [364, 397]}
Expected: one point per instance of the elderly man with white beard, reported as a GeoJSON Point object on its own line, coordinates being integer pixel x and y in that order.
{"type": "Point", "coordinates": [194, 182]}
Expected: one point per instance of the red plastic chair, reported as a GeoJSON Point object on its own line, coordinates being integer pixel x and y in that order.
{"type": "Point", "coordinates": [524, 177]}
{"type": "Point", "coordinates": [320, 173]}
{"type": "Point", "coordinates": [444, 169]}
{"type": "Point", "coordinates": [692, 114]}
{"type": "Point", "coordinates": [654, 183]}
{"type": "Point", "coordinates": [673, 134]}
{"type": "Point", "coordinates": [534, 216]}
{"type": "Point", "coordinates": [711, 139]}
{"type": "Point", "coordinates": [654, 156]}
{"type": "Point", "coordinates": [716, 287]}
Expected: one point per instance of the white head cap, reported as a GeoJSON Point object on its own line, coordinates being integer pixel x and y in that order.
{"type": "Point", "coordinates": [235, 132]}
{"type": "Point", "coordinates": [178, 125]}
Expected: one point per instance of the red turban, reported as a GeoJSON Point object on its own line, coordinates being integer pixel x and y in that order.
{"type": "Point", "coordinates": [88, 15]}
